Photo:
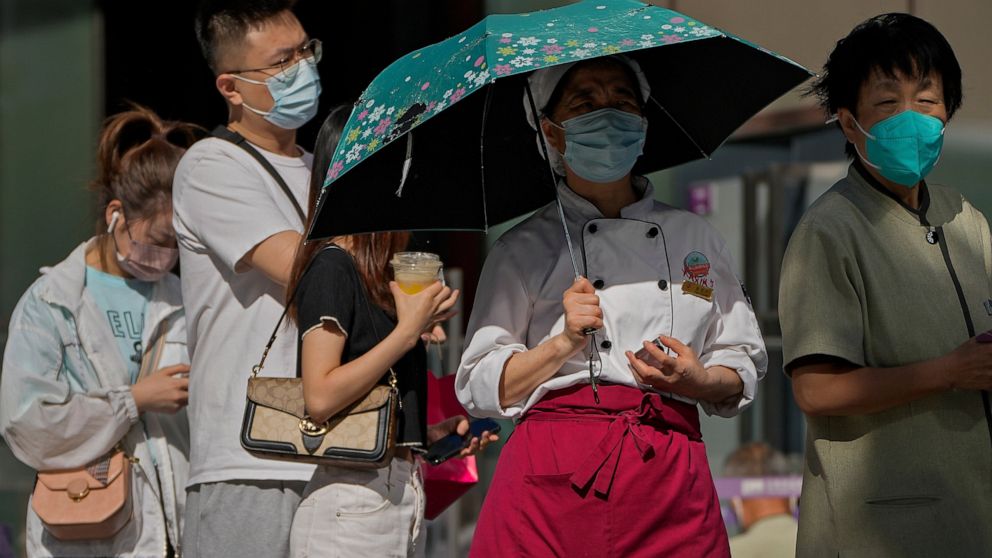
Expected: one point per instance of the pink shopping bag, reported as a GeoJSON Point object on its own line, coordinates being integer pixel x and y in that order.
{"type": "Point", "coordinates": [445, 483]}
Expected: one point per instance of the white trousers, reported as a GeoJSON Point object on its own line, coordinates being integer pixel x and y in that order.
{"type": "Point", "coordinates": [352, 512]}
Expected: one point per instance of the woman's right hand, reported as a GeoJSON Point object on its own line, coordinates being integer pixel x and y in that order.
{"type": "Point", "coordinates": [162, 391]}
{"type": "Point", "coordinates": [582, 312]}
{"type": "Point", "coordinates": [417, 313]}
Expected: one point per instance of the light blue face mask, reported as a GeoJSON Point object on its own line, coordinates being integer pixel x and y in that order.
{"type": "Point", "coordinates": [603, 145]}
{"type": "Point", "coordinates": [295, 97]}
{"type": "Point", "coordinates": [905, 147]}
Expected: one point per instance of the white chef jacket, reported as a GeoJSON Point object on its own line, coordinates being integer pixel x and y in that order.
{"type": "Point", "coordinates": [638, 264]}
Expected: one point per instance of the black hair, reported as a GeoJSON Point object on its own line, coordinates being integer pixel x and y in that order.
{"type": "Point", "coordinates": [323, 151]}
{"type": "Point", "coordinates": [219, 23]}
{"type": "Point", "coordinates": [886, 43]}
{"type": "Point", "coordinates": [566, 79]}
{"type": "Point", "coordinates": [324, 147]}
{"type": "Point", "coordinates": [371, 251]}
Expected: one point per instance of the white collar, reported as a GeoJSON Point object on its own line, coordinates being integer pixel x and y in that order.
{"type": "Point", "coordinates": [580, 209]}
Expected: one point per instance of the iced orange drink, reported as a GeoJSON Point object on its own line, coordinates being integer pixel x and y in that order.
{"type": "Point", "coordinates": [415, 271]}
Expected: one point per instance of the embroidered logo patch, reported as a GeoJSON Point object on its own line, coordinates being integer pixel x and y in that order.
{"type": "Point", "coordinates": [696, 275]}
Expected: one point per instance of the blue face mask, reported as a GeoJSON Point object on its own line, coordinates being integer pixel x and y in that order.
{"type": "Point", "coordinates": [295, 96]}
{"type": "Point", "coordinates": [904, 147]}
{"type": "Point", "coordinates": [603, 145]}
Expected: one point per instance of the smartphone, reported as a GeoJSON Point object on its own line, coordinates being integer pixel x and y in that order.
{"type": "Point", "coordinates": [449, 446]}
{"type": "Point", "coordinates": [643, 354]}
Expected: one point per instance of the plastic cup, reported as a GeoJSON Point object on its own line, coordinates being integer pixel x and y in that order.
{"type": "Point", "coordinates": [415, 271]}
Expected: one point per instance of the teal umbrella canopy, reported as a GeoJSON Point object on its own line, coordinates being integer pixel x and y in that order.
{"type": "Point", "coordinates": [439, 140]}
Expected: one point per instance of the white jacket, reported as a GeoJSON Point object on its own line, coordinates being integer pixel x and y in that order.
{"type": "Point", "coordinates": [65, 400]}
{"type": "Point", "coordinates": [638, 264]}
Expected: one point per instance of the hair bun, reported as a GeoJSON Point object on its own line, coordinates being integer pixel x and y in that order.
{"type": "Point", "coordinates": [136, 159]}
{"type": "Point", "coordinates": [122, 133]}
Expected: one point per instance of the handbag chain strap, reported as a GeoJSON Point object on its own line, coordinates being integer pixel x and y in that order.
{"type": "Point", "coordinates": [393, 382]}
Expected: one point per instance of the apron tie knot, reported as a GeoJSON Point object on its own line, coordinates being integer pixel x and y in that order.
{"type": "Point", "coordinates": [601, 465]}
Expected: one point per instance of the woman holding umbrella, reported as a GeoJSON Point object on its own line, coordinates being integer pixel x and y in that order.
{"type": "Point", "coordinates": [607, 458]}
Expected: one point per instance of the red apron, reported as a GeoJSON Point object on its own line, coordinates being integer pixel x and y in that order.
{"type": "Point", "coordinates": [624, 478]}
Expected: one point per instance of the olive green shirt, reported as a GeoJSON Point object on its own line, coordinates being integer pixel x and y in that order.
{"type": "Point", "coordinates": [866, 280]}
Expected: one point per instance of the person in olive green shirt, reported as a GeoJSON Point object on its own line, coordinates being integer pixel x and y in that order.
{"type": "Point", "coordinates": [886, 282]}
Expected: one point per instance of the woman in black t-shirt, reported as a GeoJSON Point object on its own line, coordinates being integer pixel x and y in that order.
{"type": "Point", "coordinates": [355, 324]}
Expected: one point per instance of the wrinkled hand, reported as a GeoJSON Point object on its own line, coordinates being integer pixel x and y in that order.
{"type": "Point", "coordinates": [459, 424]}
{"type": "Point", "coordinates": [582, 312]}
{"type": "Point", "coordinates": [971, 366]}
{"type": "Point", "coordinates": [162, 391]}
{"type": "Point", "coordinates": [418, 312]}
{"type": "Point", "coordinates": [682, 374]}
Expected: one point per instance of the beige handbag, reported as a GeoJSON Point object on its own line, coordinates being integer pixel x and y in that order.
{"type": "Point", "coordinates": [276, 425]}
{"type": "Point", "coordinates": [92, 502]}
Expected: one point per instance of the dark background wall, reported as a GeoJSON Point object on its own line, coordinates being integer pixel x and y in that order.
{"type": "Point", "coordinates": [152, 56]}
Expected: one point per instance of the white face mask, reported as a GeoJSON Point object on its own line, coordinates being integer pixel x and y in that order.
{"type": "Point", "coordinates": [295, 93]}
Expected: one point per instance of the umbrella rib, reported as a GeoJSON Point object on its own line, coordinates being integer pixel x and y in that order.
{"type": "Point", "coordinates": [482, 155]}
{"type": "Point", "coordinates": [677, 123]}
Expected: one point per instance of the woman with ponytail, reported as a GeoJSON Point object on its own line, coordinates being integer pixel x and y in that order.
{"type": "Point", "coordinates": [96, 348]}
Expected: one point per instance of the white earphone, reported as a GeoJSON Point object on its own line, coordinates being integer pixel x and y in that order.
{"type": "Point", "coordinates": [113, 221]}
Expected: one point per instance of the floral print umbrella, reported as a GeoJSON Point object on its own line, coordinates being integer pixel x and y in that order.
{"type": "Point", "coordinates": [439, 140]}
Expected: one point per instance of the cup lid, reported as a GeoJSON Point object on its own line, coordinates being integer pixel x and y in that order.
{"type": "Point", "coordinates": [415, 257]}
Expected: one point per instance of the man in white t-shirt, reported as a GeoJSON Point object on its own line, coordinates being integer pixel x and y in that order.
{"type": "Point", "coordinates": [238, 229]}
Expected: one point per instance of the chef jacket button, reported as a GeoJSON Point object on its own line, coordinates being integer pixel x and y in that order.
{"type": "Point", "coordinates": [598, 283]}
{"type": "Point", "coordinates": [593, 228]}
{"type": "Point", "coordinates": [606, 344]}
{"type": "Point", "coordinates": [652, 232]}
{"type": "Point", "coordinates": [663, 285]}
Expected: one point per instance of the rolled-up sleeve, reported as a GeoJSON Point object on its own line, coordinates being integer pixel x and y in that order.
{"type": "Point", "coordinates": [46, 424]}
{"type": "Point", "coordinates": [819, 301]}
{"type": "Point", "coordinates": [497, 330]}
{"type": "Point", "coordinates": [733, 339]}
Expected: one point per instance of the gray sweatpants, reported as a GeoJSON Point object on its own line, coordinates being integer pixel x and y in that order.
{"type": "Point", "coordinates": [243, 519]}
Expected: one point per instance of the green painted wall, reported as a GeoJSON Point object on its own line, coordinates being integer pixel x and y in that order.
{"type": "Point", "coordinates": [966, 162]}
{"type": "Point", "coordinates": [51, 99]}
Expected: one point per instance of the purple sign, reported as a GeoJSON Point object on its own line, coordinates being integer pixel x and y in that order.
{"type": "Point", "coordinates": [701, 198]}
{"type": "Point", "coordinates": [759, 487]}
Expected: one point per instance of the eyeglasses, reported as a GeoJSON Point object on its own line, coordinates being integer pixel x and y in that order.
{"type": "Point", "coordinates": [286, 68]}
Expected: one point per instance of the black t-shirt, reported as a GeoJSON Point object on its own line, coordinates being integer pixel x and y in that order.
{"type": "Point", "coordinates": [331, 291]}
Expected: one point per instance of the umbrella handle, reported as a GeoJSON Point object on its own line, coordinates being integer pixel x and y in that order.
{"type": "Point", "coordinates": [554, 185]}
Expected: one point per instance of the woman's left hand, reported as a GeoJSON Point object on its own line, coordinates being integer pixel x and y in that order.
{"type": "Point", "coordinates": [435, 335]}
{"type": "Point", "coordinates": [459, 425]}
{"type": "Point", "coordinates": [682, 374]}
